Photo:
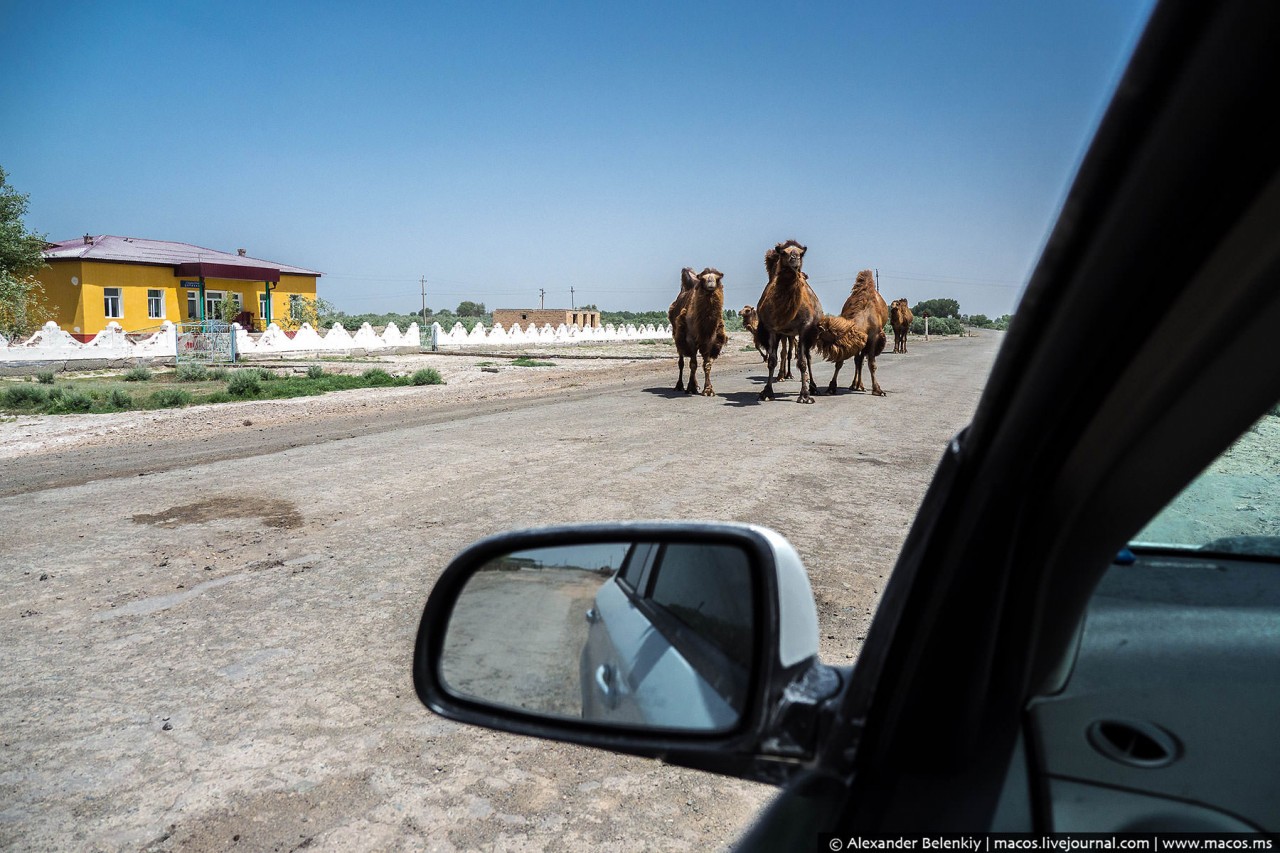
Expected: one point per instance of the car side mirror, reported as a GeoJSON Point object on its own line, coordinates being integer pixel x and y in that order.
{"type": "Point", "coordinates": [695, 642]}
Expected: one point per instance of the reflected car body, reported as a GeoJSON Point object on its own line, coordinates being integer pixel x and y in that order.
{"type": "Point", "coordinates": [647, 663]}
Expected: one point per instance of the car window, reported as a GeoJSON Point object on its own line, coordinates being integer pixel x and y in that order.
{"type": "Point", "coordinates": [691, 584]}
{"type": "Point", "coordinates": [639, 557]}
{"type": "Point", "coordinates": [1233, 506]}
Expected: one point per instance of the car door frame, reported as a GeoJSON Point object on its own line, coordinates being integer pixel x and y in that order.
{"type": "Point", "coordinates": [1083, 433]}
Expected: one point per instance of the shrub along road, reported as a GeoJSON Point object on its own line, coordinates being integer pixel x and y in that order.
{"type": "Point", "coordinates": [218, 653]}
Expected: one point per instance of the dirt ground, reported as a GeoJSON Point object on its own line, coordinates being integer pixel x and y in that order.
{"type": "Point", "coordinates": [208, 615]}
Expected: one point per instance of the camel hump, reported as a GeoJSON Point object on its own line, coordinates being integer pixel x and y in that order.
{"type": "Point", "coordinates": [771, 262]}
{"type": "Point", "coordinates": [840, 339]}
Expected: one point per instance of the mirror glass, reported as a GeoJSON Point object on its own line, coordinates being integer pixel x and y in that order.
{"type": "Point", "coordinates": [655, 635]}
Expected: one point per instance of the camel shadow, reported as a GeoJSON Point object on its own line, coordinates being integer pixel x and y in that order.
{"type": "Point", "coordinates": [667, 392]}
{"type": "Point", "coordinates": [741, 399]}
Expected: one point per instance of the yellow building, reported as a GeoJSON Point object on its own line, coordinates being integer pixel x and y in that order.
{"type": "Point", "coordinates": [141, 283]}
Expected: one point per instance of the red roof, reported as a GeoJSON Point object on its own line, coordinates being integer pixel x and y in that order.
{"type": "Point", "coordinates": [162, 253]}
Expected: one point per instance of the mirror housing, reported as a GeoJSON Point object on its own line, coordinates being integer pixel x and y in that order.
{"type": "Point", "coordinates": [775, 734]}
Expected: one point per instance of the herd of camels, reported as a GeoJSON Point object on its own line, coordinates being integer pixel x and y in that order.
{"type": "Point", "coordinates": [789, 318]}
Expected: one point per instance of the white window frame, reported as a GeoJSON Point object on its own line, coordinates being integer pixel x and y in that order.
{"type": "Point", "coordinates": [193, 304]}
{"type": "Point", "coordinates": [213, 304]}
{"type": "Point", "coordinates": [155, 303]}
{"type": "Point", "coordinates": [264, 305]}
{"type": "Point", "coordinates": [113, 298]}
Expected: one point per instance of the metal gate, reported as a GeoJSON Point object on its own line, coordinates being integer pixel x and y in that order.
{"type": "Point", "coordinates": [210, 342]}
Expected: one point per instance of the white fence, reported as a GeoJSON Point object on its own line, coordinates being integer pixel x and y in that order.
{"type": "Point", "coordinates": [53, 344]}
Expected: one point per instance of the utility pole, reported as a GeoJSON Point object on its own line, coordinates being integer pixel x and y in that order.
{"type": "Point", "coordinates": [572, 304]}
{"type": "Point", "coordinates": [423, 281]}
{"type": "Point", "coordinates": [877, 279]}
{"type": "Point", "coordinates": [542, 297]}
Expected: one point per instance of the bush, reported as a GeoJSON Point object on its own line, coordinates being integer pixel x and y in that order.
{"type": "Point", "coordinates": [170, 398]}
{"type": "Point", "coordinates": [120, 399]}
{"type": "Point", "coordinates": [937, 326]}
{"type": "Point", "coordinates": [377, 376]}
{"type": "Point", "coordinates": [22, 395]}
{"type": "Point", "coordinates": [71, 401]}
{"type": "Point", "coordinates": [427, 376]}
{"type": "Point", "coordinates": [55, 393]}
{"type": "Point", "coordinates": [138, 374]}
{"type": "Point", "coordinates": [264, 375]}
{"type": "Point", "coordinates": [245, 383]}
{"type": "Point", "coordinates": [45, 377]}
{"type": "Point", "coordinates": [315, 371]}
{"type": "Point", "coordinates": [192, 373]}
{"type": "Point", "coordinates": [219, 374]}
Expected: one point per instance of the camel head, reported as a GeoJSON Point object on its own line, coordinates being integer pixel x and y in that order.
{"type": "Point", "coordinates": [791, 254]}
{"type": "Point", "coordinates": [747, 313]}
{"type": "Point", "coordinates": [711, 279]}
{"type": "Point", "coordinates": [688, 278]}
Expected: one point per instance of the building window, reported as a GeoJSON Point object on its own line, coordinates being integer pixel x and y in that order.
{"type": "Point", "coordinates": [111, 303]}
{"type": "Point", "coordinates": [155, 304]}
{"type": "Point", "coordinates": [264, 305]}
{"type": "Point", "coordinates": [193, 305]}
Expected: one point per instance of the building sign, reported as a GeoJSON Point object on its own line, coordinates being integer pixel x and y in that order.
{"type": "Point", "coordinates": [186, 283]}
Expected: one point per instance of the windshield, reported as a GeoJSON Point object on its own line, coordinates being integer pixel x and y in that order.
{"type": "Point", "coordinates": [1233, 507]}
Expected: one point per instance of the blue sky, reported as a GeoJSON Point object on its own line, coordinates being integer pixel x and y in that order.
{"type": "Point", "coordinates": [499, 148]}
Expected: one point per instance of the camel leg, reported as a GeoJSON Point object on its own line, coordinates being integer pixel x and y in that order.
{"type": "Point", "coordinates": [857, 374]}
{"type": "Point", "coordinates": [692, 387]}
{"type": "Point", "coordinates": [831, 389]}
{"type": "Point", "coordinates": [784, 363]}
{"type": "Point", "coordinates": [680, 378]}
{"type": "Point", "coordinates": [767, 392]}
{"type": "Point", "coordinates": [876, 390]}
{"type": "Point", "coordinates": [808, 360]}
{"type": "Point", "coordinates": [806, 379]}
{"type": "Point", "coordinates": [707, 390]}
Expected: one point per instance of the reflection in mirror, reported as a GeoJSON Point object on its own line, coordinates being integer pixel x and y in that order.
{"type": "Point", "coordinates": [640, 634]}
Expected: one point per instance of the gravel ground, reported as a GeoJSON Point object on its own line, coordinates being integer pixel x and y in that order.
{"type": "Point", "coordinates": [208, 614]}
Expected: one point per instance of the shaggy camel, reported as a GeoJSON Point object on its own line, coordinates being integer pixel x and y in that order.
{"type": "Point", "coordinates": [704, 328]}
{"type": "Point", "coordinates": [900, 318]}
{"type": "Point", "coordinates": [857, 333]}
{"type": "Point", "coordinates": [789, 307]}
{"type": "Point", "coordinates": [676, 316]}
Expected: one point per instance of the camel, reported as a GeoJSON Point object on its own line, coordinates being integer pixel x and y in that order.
{"type": "Point", "coordinates": [751, 323]}
{"type": "Point", "coordinates": [704, 328]}
{"type": "Point", "coordinates": [900, 318]}
{"type": "Point", "coordinates": [789, 307]}
{"type": "Point", "coordinates": [676, 316]}
{"type": "Point", "coordinates": [858, 333]}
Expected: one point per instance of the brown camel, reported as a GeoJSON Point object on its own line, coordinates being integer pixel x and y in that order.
{"type": "Point", "coordinates": [900, 318]}
{"type": "Point", "coordinates": [704, 328]}
{"type": "Point", "coordinates": [676, 316]}
{"type": "Point", "coordinates": [858, 333]}
{"type": "Point", "coordinates": [789, 307]}
{"type": "Point", "coordinates": [751, 323]}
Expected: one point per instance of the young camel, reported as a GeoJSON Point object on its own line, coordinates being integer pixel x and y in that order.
{"type": "Point", "coordinates": [900, 318]}
{"type": "Point", "coordinates": [751, 322]}
{"type": "Point", "coordinates": [789, 307]}
{"type": "Point", "coordinates": [676, 316]}
{"type": "Point", "coordinates": [704, 328]}
{"type": "Point", "coordinates": [858, 333]}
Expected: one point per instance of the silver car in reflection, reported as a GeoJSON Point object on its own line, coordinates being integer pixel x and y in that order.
{"type": "Point", "coordinates": [671, 639]}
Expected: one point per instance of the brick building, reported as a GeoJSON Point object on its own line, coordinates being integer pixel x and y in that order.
{"type": "Point", "coordinates": [544, 316]}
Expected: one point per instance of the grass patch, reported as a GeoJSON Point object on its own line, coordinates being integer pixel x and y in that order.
{"type": "Point", "coordinates": [750, 349]}
{"type": "Point", "coordinates": [138, 374]}
{"type": "Point", "coordinates": [45, 377]}
{"type": "Point", "coordinates": [427, 376]}
{"type": "Point", "coordinates": [169, 398]}
{"type": "Point", "coordinates": [528, 362]}
{"type": "Point", "coordinates": [190, 384]}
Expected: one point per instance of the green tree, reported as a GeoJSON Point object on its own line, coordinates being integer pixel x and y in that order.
{"type": "Point", "coordinates": [937, 308]}
{"type": "Point", "coordinates": [303, 309]}
{"type": "Point", "coordinates": [22, 299]}
{"type": "Point", "coordinates": [470, 309]}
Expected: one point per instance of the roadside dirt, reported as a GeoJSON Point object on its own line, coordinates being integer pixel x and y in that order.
{"type": "Point", "coordinates": [208, 625]}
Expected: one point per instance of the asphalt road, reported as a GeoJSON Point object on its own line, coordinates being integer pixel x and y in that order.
{"type": "Point", "coordinates": [217, 654]}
